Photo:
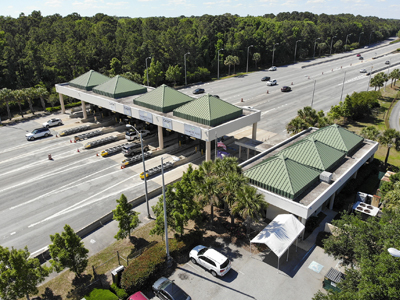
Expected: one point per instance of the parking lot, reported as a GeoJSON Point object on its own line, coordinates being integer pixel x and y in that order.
{"type": "Point", "coordinates": [257, 276]}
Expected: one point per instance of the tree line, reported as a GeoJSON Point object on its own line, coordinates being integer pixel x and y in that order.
{"type": "Point", "coordinates": [53, 49]}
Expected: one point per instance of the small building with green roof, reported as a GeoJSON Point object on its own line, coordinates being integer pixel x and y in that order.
{"type": "Point", "coordinates": [119, 87]}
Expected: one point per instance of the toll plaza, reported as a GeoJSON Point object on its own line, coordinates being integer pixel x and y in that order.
{"type": "Point", "coordinates": [204, 119]}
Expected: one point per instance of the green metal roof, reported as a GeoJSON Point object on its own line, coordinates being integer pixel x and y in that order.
{"type": "Point", "coordinates": [118, 87]}
{"type": "Point", "coordinates": [315, 154]}
{"type": "Point", "coordinates": [283, 176]}
{"type": "Point", "coordinates": [208, 110]}
{"type": "Point", "coordinates": [88, 80]}
{"type": "Point", "coordinates": [338, 138]}
{"type": "Point", "coordinates": [163, 98]}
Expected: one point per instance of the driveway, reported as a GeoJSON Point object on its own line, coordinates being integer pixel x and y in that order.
{"type": "Point", "coordinates": [256, 276]}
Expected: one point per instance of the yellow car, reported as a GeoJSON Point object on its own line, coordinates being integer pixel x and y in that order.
{"type": "Point", "coordinates": [142, 177]}
{"type": "Point", "coordinates": [104, 153]}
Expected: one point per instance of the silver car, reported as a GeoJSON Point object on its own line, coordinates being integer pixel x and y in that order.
{"type": "Point", "coordinates": [52, 122]}
{"type": "Point", "coordinates": [272, 82]}
{"type": "Point", "coordinates": [38, 133]}
{"type": "Point", "coordinates": [212, 260]}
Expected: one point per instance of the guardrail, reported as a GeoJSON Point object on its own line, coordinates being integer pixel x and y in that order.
{"type": "Point", "coordinates": [74, 130]}
{"type": "Point", "coordinates": [113, 150]}
{"type": "Point", "coordinates": [100, 142]}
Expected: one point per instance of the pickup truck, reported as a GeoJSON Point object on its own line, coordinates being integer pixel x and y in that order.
{"type": "Point", "coordinates": [132, 135]}
{"type": "Point", "coordinates": [133, 148]}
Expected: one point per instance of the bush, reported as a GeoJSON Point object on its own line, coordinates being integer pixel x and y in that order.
{"type": "Point", "coordinates": [100, 294]}
{"type": "Point", "coordinates": [121, 293]}
{"type": "Point", "coordinates": [55, 108]}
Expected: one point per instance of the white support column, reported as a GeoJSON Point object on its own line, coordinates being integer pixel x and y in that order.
{"type": "Point", "coordinates": [208, 151]}
{"type": "Point", "coordinates": [84, 109]}
{"type": "Point", "coordinates": [160, 137]}
{"type": "Point", "coordinates": [303, 221]}
{"type": "Point", "coordinates": [248, 153]}
{"type": "Point", "coordinates": [254, 131]}
{"type": "Point", "coordinates": [240, 151]}
{"type": "Point", "coordinates": [61, 96]}
{"type": "Point", "coordinates": [331, 201]}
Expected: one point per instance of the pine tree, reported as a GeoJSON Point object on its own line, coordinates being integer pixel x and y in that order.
{"type": "Point", "coordinates": [127, 218]}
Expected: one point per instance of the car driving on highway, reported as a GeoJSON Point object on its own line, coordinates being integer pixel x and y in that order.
{"type": "Point", "coordinates": [361, 58]}
{"type": "Point", "coordinates": [286, 89]}
{"type": "Point", "coordinates": [266, 78]}
{"type": "Point", "coordinates": [363, 71]}
{"type": "Point", "coordinates": [198, 91]}
{"type": "Point", "coordinates": [52, 122]}
{"type": "Point", "coordinates": [272, 82]}
{"type": "Point", "coordinates": [38, 133]}
{"type": "Point", "coordinates": [273, 68]}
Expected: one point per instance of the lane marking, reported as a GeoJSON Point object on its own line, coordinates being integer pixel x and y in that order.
{"type": "Point", "coordinates": [12, 233]}
{"type": "Point", "coordinates": [85, 202]}
{"type": "Point", "coordinates": [268, 111]}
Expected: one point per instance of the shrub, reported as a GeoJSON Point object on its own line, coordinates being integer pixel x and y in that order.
{"type": "Point", "coordinates": [121, 293]}
{"type": "Point", "coordinates": [100, 294]}
{"type": "Point", "coordinates": [55, 108]}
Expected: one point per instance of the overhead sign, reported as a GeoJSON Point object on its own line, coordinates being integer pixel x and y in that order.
{"type": "Point", "coordinates": [127, 110]}
{"type": "Point", "coordinates": [112, 105]}
{"type": "Point", "coordinates": [193, 131]}
{"type": "Point", "coordinates": [167, 123]}
{"type": "Point", "coordinates": [145, 116]}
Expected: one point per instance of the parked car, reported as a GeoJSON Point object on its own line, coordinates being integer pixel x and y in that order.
{"type": "Point", "coordinates": [266, 78]}
{"type": "Point", "coordinates": [132, 135]}
{"type": "Point", "coordinates": [358, 54]}
{"type": "Point", "coordinates": [363, 71]}
{"type": "Point", "coordinates": [212, 260]}
{"type": "Point", "coordinates": [52, 122]}
{"type": "Point", "coordinates": [198, 91]}
{"type": "Point", "coordinates": [286, 89]}
{"type": "Point", "coordinates": [38, 133]}
{"type": "Point", "coordinates": [166, 289]}
{"type": "Point", "coordinates": [273, 68]}
{"type": "Point", "coordinates": [387, 62]}
{"type": "Point", "coordinates": [138, 296]}
{"type": "Point", "coordinates": [272, 82]}
{"type": "Point", "coordinates": [365, 47]}
{"type": "Point", "coordinates": [361, 58]}
{"type": "Point", "coordinates": [133, 148]}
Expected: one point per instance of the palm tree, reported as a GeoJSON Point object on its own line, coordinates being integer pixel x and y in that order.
{"type": "Point", "coordinates": [256, 58]}
{"type": "Point", "coordinates": [236, 62]}
{"type": "Point", "coordinates": [5, 96]}
{"type": "Point", "coordinates": [388, 138]}
{"type": "Point", "coordinates": [394, 75]}
{"type": "Point", "coordinates": [232, 183]}
{"type": "Point", "coordinates": [370, 133]}
{"type": "Point", "coordinates": [377, 80]}
{"type": "Point", "coordinates": [249, 204]}
{"type": "Point", "coordinates": [229, 60]}
{"type": "Point", "coordinates": [29, 94]}
{"type": "Point", "coordinates": [42, 92]}
{"type": "Point", "coordinates": [19, 97]}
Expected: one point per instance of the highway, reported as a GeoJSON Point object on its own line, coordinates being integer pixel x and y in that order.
{"type": "Point", "coordinates": [39, 196]}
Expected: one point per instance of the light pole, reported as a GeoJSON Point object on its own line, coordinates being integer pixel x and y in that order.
{"type": "Point", "coordinates": [184, 58]}
{"type": "Point", "coordinates": [144, 170]}
{"type": "Point", "coordinates": [312, 99]}
{"type": "Point", "coordinates": [344, 78]}
{"type": "Point", "coordinates": [332, 44]}
{"type": "Point", "coordinates": [218, 62]}
{"type": "Point", "coordinates": [359, 38]}
{"type": "Point", "coordinates": [295, 48]}
{"type": "Point", "coordinates": [273, 53]}
{"type": "Point", "coordinates": [387, 74]}
{"type": "Point", "coordinates": [345, 45]}
{"type": "Point", "coordinates": [147, 70]}
{"type": "Point", "coordinates": [165, 210]}
{"type": "Point", "coordinates": [370, 37]}
{"type": "Point", "coordinates": [247, 66]}
{"type": "Point", "coordinates": [369, 80]}
{"type": "Point", "coordinates": [315, 43]}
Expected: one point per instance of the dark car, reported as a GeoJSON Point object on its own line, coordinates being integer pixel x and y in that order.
{"type": "Point", "coordinates": [198, 91]}
{"type": "Point", "coordinates": [266, 78]}
{"type": "Point", "coordinates": [286, 89]}
{"type": "Point", "coordinates": [361, 58]}
{"type": "Point", "coordinates": [167, 290]}
{"type": "Point", "coordinates": [387, 62]}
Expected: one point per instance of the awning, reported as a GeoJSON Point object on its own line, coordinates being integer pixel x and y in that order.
{"type": "Point", "coordinates": [280, 234]}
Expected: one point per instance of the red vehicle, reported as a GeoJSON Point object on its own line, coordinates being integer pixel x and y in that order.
{"type": "Point", "coordinates": [358, 55]}
{"type": "Point", "coordinates": [138, 296]}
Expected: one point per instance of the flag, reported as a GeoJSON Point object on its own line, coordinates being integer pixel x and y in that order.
{"type": "Point", "coordinates": [221, 144]}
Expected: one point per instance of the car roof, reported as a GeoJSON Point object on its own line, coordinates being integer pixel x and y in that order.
{"type": "Point", "coordinates": [175, 291]}
{"type": "Point", "coordinates": [215, 255]}
{"type": "Point", "coordinates": [138, 296]}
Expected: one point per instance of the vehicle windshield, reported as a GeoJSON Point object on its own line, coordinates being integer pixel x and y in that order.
{"type": "Point", "coordinates": [35, 131]}
{"type": "Point", "coordinates": [202, 251]}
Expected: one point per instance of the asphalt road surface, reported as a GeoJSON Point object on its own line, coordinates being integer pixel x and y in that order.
{"type": "Point", "coordinates": [39, 196]}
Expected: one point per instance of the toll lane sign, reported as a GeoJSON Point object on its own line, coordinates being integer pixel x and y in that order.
{"type": "Point", "coordinates": [193, 131]}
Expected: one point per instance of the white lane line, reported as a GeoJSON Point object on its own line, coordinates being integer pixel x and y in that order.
{"type": "Point", "coordinates": [52, 173]}
{"type": "Point", "coordinates": [65, 187]}
{"type": "Point", "coordinates": [12, 233]}
{"type": "Point", "coordinates": [241, 272]}
{"type": "Point", "coordinates": [268, 111]}
{"type": "Point", "coordinates": [85, 202]}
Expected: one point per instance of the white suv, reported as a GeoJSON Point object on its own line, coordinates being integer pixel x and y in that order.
{"type": "Point", "coordinates": [37, 133]}
{"type": "Point", "coordinates": [132, 135]}
{"type": "Point", "coordinates": [52, 122]}
{"type": "Point", "coordinates": [212, 260]}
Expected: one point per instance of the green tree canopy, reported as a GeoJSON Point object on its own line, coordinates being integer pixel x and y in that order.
{"type": "Point", "coordinates": [127, 219]}
{"type": "Point", "coordinates": [173, 74]}
{"type": "Point", "coordinates": [307, 117]}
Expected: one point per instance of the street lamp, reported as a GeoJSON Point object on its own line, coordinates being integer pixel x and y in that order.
{"type": "Point", "coordinates": [218, 62]}
{"type": "Point", "coordinates": [295, 48]}
{"type": "Point", "coordinates": [165, 210]}
{"type": "Point", "coordinates": [359, 38]}
{"type": "Point", "coordinates": [184, 58]}
{"type": "Point", "coordinates": [370, 37]}
{"type": "Point", "coordinates": [315, 43]}
{"type": "Point", "coordinates": [144, 169]}
{"type": "Point", "coordinates": [247, 67]}
{"type": "Point", "coordinates": [345, 45]}
{"type": "Point", "coordinates": [369, 80]}
{"type": "Point", "coordinates": [312, 99]}
{"type": "Point", "coordinates": [147, 70]}
{"type": "Point", "coordinates": [332, 44]}
{"type": "Point", "coordinates": [273, 53]}
{"type": "Point", "coordinates": [344, 78]}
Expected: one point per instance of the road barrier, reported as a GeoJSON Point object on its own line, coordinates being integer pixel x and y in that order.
{"type": "Point", "coordinates": [100, 142]}
{"type": "Point", "coordinates": [74, 130]}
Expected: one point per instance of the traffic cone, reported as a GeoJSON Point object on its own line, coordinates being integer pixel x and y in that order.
{"type": "Point", "coordinates": [122, 167]}
{"type": "Point", "coordinates": [292, 83]}
{"type": "Point", "coordinates": [49, 156]}
{"type": "Point", "coordinates": [97, 154]}
{"type": "Point", "coordinates": [241, 100]}
{"type": "Point", "coordinates": [77, 150]}
{"type": "Point", "coordinates": [267, 92]}
{"type": "Point", "coordinates": [74, 141]}
{"type": "Point", "coordinates": [70, 141]}
{"type": "Point", "coordinates": [56, 135]}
